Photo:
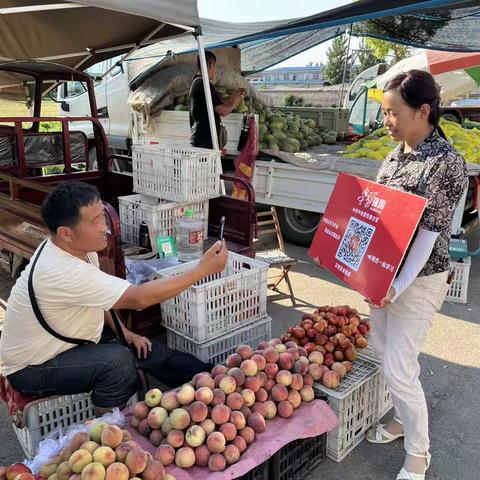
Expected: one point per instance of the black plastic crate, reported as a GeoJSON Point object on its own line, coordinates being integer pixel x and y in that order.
{"type": "Point", "coordinates": [298, 458]}
{"type": "Point", "coordinates": [258, 473]}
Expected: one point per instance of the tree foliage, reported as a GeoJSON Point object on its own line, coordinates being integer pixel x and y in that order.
{"type": "Point", "coordinates": [336, 56]}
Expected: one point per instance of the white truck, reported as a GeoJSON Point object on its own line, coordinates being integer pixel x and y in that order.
{"type": "Point", "coordinates": [298, 185]}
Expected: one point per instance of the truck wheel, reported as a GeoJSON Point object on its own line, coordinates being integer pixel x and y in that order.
{"type": "Point", "coordinates": [298, 226]}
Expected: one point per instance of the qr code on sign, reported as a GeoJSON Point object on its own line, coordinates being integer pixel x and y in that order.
{"type": "Point", "coordinates": [354, 243]}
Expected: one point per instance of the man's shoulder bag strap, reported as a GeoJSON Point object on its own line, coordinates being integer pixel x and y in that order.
{"type": "Point", "coordinates": [38, 313]}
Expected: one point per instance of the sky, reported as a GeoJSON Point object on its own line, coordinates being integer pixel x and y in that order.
{"type": "Point", "coordinates": [263, 10]}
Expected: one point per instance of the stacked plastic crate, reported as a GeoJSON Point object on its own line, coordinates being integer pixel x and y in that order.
{"type": "Point", "coordinates": [168, 179]}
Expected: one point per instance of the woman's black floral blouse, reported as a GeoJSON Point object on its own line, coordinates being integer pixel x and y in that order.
{"type": "Point", "coordinates": [437, 172]}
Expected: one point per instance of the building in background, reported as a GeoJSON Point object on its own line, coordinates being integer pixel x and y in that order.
{"type": "Point", "coordinates": [306, 76]}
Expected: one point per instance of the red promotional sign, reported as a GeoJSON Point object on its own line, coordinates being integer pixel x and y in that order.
{"type": "Point", "coordinates": [365, 232]}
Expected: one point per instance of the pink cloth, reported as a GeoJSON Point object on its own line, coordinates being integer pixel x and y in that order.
{"type": "Point", "coordinates": [310, 420]}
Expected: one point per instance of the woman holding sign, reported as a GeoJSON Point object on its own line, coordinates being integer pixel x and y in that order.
{"type": "Point", "coordinates": [425, 164]}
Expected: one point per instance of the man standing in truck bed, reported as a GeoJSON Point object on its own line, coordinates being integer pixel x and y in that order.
{"type": "Point", "coordinates": [200, 135]}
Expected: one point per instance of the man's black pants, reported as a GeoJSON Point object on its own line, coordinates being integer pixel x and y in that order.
{"type": "Point", "coordinates": [107, 369]}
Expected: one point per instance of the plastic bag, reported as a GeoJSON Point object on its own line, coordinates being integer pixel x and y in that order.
{"type": "Point", "coordinates": [141, 271]}
{"type": "Point", "coordinates": [57, 440]}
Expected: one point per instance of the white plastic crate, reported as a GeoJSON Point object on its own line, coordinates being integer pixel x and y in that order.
{"type": "Point", "coordinates": [219, 303]}
{"type": "Point", "coordinates": [159, 215]}
{"type": "Point", "coordinates": [354, 402]}
{"type": "Point", "coordinates": [180, 173]}
{"type": "Point", "coordinates": [459, 286]}
{"type": "Point", "coordinates": [384, 400]}
{"type": "Point", "coordinates": [45, 415]}
{"type": "Point", "coordinates": [216, 351]}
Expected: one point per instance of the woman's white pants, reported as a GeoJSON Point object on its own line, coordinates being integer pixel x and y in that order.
{"type": "Point", "coordinates": [398, 334]}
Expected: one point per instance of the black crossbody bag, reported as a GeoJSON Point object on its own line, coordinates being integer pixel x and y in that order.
{"type": "Point", "coordinates": [49, 329]}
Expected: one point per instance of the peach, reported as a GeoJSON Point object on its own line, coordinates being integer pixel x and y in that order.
{"type": "Point", "coordinates": [156, 438]}
{"type": "Point", "coordinates": [238, 419]}
{"type": "Point", "coordinates": [260, 361]}
{"type": "Point", "coordinates": [284, 377]}
{"type": "Point", "coordinates": [280, 348]}
{"type": "Point", "coordinates": [117, 471]}
{"type": "Point", "coordinates": [156, 417]}
{"type": "Point", "coordinates": [231, 454]}
{"type": "Point", "coordinates": [316, 357]}
{"type": "Point", "coordinates": [218, 379]}
{"type": "Point", "coordinates": [219, 370]}
{"type": "Point", "coordinates": [169, 401]}
{"type": "Point", "coordinates": [261, 395]}
{"type": "Point", "coordinates": [220, 414]}
{"type": "Point", "coordinates": [238, 375]}
{"type": "Point", "coordinates": [240, 443]}
{"type": "Point", "coordinates": [136, 461]}
{"type": "Point", "coordinates": [78, 439]}
{"type": "Point", "coordinates": [279, 392]}
{"type": "Point", "coordinates": [340, 369]}
{"type": "Point", "coordinates": [206, 381]}
{"type": "Point", "coordinates": [134, 422]}
{"type": "Point", "coordinates": [185, 457]}
{"type": "Point", "coordinates": [179, 419]}
{"type": "Point", "coordinates": [216, 442]}
{"type": "Point", "coordinates": [202, 454]}
{"type": "Point", "coordinates": [245, 351]}
{"type": "Point", "coordinates": [269, 384]}
{"type": "Point", "coordinates": [297, 382]}
{"type": "Point", "coordinates": [122, 450]}
{"type": "Point", "coordinates": [307, 393]}
{"type": "Point", "coordinates": [195, 436]}
{"type": "Point", "coordinates": [218, 397]}
{"type": "Point", "coordinates": [262, 378]}
{"type": "Point", "coordinates": [285, 409]}
{"type": "Point", "coordinates": [144, 428]}
{"type": "Point", "coordinates": [347, 365]}
{"type": "Point", "coordinates": [234, 360]}
{"type": "Point", "coordinates": [294, 353]}
{"type": "Point", "coordinates": [97, 429]}
{"type": "Point", "coordinates": [197, 377]}
{"type": "Point", "coordinates": [308, 380]}
{"type": "Point", "coordinates": [208, 426]}
{"type": "Point", "coordinates": [271, 370]}
{"type": "Point", "coordinates": [229, 431]}
{"type": "Point", "coordinates": [104, 455]}
{"type": "Point", "coordinates": [186, 395]}
{"type": "Point", "coordinates": [248, 397]}
{"type": "Point", "coordinates": [46, 470]}
{"type": "Point", "coordinates": [285, 361]}
{"type": "Point", "coordinates": [273, 342]}
{"type": "Point", "coordinates": [165, 454]}
{"type": "Point", "coordinates": [175, 438]}
{"type": "Point", "coordinates": [90, 446]}
{"type": "Point", "coordinates": [205, 395]}
{"type": "Point", "coordinates": [315, 371]}
{"type": "Point", "coordinates": [75, 476]}
{"type": "Point", "coordinates": [246, 411]}
{"type": "Point", "coordinates": [111, 436]}
{"type": "Point", "coordinates": [249, 368]}
{"type": "Point", "coordinates": [259, 407]}
{"type": "Point", "coordinates": [79, 460]}
{"type": "Point", "coordinates": [64, 472]}
{"type": "Point", "coordinates": [93, 471]}
{"type": "Point", "coordinates": [302, 352]}
{"type": "Point", "coordinates": [235, 401]}
{"type": "Point", "coordinates": [294, 398]}
{"type": "Point", "coordinates": [270, 410]}
{"type": "Point", "coordinates": [167, 476]}
{"type": "Point", "coordinates": [153, 397]}
{"type": "Point", "coordinates": [126, 435]}
{"type": "Point", "coordinates": [217, 463]}
{"type": "Point", "coordinates": [331, 379]}
{"type": "Point", "coordinates": [154, 471]}
{"type": "Point", "coordinates": [140, 411]}
{"type": "Point", "coordinates": [270, 355]}
{"type": "Point", "coordinates": [166, 427]}
{"type": "Point", "coordinates": [198, 412]}
{"type": "Point", "coordinates": [228, 384]}
{"type": "Point", "coordinates": [301, 366]}
{"type": "Point", "coordinates": [252, 383]}
{"type": "Point", "coordinates": [257, 422]}
{"type": "Point", "coordinates": [25, 476]}
{"type": "Point", "coordinates": [248, 434]}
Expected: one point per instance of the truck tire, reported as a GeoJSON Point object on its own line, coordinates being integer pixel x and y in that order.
{"type": "Point", "coordinates": [298, 226]}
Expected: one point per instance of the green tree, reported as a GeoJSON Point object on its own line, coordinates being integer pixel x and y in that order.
{"type": "Point", "coordinates": [336, 55]}
{"type": "Point", "coordinates": [366, 58]}
{"type": "Point", "coordinates": [382, 49]}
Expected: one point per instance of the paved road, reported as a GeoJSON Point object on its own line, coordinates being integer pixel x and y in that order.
{"type": "Point", "coordinates": [450, 374]}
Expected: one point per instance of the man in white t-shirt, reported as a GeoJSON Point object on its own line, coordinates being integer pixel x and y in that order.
{"type": "Point", "coordinates": [74, 297]}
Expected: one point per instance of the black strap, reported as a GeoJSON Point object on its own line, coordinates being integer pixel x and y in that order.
{"type": "Point", "coordinates": [38, 313]}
